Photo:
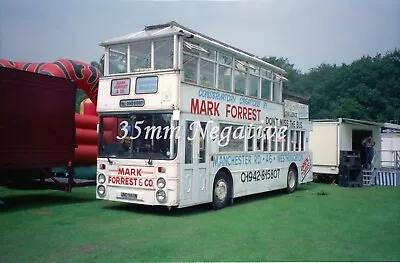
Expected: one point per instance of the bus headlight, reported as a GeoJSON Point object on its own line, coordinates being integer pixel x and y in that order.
{"type": "Point", "coordinates": [161, 182]}
{"type": "Point", "coordinates": [101, 178]}
{"type": "Point", "coordinates": [161, 196]}
{"type": "Point", "coordinates": [101, 190]}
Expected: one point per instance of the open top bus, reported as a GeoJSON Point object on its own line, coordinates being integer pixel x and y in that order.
{"type": "Point", "coordinates": [186, 119]}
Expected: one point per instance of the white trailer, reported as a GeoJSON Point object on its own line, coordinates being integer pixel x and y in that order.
{"type": "Point", "coordinates": [390, 157]}
{"type": "Point", "coordinates": [329, 137]}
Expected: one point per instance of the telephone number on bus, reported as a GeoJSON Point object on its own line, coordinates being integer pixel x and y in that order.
{"type": "Point", "coordinates": [259, 175]}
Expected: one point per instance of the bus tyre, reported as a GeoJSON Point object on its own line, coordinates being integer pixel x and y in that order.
{"type": "Point", "coordinates": [222, 190]}
{"type": "Point", "coordinates": [291, 180]}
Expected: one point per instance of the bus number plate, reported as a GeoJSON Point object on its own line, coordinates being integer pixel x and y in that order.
{"type": "Point", "coordinates": [128, 196]}
{"type": "Point", "coordinates": [131, 103]}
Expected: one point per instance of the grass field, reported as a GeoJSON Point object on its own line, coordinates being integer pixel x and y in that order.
{"type": "Point", "coordinates": [319, 222]}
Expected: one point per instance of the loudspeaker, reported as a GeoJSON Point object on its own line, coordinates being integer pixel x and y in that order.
{"type": "Point", "coordinates": [350, 158]}
{"type": "Point", "coordinates": [350, 176]}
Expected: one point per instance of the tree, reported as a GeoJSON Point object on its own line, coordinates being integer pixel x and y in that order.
{"type": "Point", "coordinates": [99, 65]}
{"type": "Point", "coordinates": [368, 88]}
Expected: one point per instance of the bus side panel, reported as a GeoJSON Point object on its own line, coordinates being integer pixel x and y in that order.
{"type": "Point", "coordinates": [261, 172]}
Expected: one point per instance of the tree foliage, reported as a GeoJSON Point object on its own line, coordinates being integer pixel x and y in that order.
{"type": "Point", "coordinates": [368, 88]}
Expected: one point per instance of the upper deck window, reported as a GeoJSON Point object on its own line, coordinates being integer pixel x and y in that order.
{"type": "Point", "coordinates": [118, 59]}
{"type": "Point", "coordinates": [266, 73]}
{"type": "Point", "coordinates": [210, 54]}
{"type": "Point", "coordinates": [240, 65]}
{"type": "Point", "coordinates": [277, 90]}
{"type": "Point", "coordinates": [207, 73]}
{"type": "Point", "coordinates": [253, 69]}
{"type": "Point", "coordinates": [254, 86]}
{"type": "Point", "coordinates": [163, 53]}
{"type": "Point", "coordinates": [225, 59]}
{"type": "Point", "coordinates": [266, 89]}
{"type": "Point", "coordinates": [190, 68]}
{"type": "Point", "coordinates": [240, 82]}
{"type": "Point", "coordinates": [194, 49]}
{"type": "Point", "coordinates": [143, 56]}
{"type": "Point", "coordinates": [140, 56]}
{"type": "Point", "coordinates": [202, 65]}
{"type": "Point", "coordinates": [224, 78]}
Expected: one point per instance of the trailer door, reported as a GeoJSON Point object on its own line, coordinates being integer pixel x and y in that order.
{"type": "Point", "coordinates": [324, 144]}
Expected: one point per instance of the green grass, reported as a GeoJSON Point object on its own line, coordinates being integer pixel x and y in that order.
{"type": "Point", "coordinates": [319, 222]}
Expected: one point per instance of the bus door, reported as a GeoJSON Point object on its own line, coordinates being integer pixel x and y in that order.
{"type": "Point", "coordinates": [195, 161]}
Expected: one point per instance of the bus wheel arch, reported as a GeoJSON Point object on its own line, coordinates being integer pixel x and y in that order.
{"type": "Point", "coordinates": [222, 190]}
{"type": "Point", "coordinates": [292, 178]}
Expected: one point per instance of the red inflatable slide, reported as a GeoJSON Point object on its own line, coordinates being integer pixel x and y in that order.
{"type": "Point", "coordinates": [86, 133]}
{"type": "Point", "coordinates": [85, 76]}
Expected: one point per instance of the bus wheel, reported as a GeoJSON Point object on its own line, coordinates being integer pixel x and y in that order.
{"type": "Point", "coordinates": [222, 190]}
{"type": "Point", "coordinates": [291, 180]}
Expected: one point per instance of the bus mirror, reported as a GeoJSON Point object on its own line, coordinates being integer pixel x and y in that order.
{"type": "Point", "coordinates": [175, 115]}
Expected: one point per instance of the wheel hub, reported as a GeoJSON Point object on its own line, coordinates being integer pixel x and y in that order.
{"type": "Point", "coordinates": [291, 179]}
{"type": "Point", "coordinates": [221, 190]}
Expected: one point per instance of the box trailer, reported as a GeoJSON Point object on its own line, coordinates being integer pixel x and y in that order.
{"type": "Point", "coordinates": [391, 146]}
{"type": "Point", "coordinates": [329, 138]}
{"type": "Point", "coordinates": [37, 121]}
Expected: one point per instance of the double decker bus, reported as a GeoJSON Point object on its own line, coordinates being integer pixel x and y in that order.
{"type": "Point", "coordinates": [186, 119]}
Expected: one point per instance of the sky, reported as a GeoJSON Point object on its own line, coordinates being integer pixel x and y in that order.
{"type": "Point", "coordinates": [307, 32]}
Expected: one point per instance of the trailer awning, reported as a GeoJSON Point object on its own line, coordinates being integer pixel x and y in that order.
{"type": "Point", "coordinates": [361, 122]}
{"type": "Point", "coordinates": [352, 121]}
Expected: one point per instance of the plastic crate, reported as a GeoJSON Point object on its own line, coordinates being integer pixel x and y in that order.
{"type": "Point", "coordinates": [367, 178]}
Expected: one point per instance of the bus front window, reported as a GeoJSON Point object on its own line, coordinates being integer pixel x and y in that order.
{"type": "Point", "coordinates": [138, 136]}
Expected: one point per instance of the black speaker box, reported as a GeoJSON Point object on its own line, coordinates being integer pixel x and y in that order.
{"type": "Point", "coordinates": [350, 158]}
{"type": "Point", "coordinates": [350, 176]}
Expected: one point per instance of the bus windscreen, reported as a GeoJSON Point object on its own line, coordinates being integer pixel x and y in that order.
{"type": "Point", "coordinates": [139, 136]}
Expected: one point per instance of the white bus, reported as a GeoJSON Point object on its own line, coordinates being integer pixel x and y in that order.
{"type": "Point", "coordinates": [170, 80]}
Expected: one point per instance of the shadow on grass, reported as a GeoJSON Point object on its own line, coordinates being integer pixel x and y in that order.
{"type": "Point", "coordinates": [161, 210]}
{"type": "Point", "coordinates": [48, 184]}
{"type": "Point", "coordinates": [273, 194]}
{"type": "Point", "coordinates": [25, 201]}
{"type": "Point", "coordinates": [203, 208]}
{"type": "Point", "coordinates": [325, 179]}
